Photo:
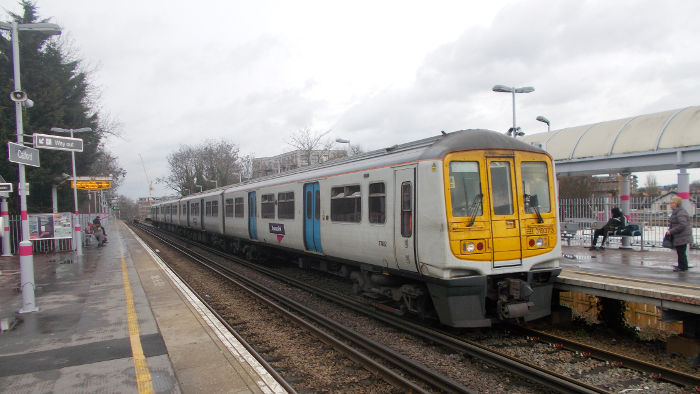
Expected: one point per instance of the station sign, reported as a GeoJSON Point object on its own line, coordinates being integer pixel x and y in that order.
{"type": "Point", "coordinates": [5, 188]}
{"type": "Point", "coordinates": [22, 154]}
{"type": "Point", "coordinates": [46, 141]}
{"type": "Point", "coordinates": [91, 184]}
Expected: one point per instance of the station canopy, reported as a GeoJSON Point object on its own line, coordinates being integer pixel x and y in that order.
{"type": "Point", "coordinates": [653, 142]}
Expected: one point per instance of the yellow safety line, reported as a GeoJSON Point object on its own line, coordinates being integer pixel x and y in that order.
{"type": "Point", "coordinates": [143, 375]}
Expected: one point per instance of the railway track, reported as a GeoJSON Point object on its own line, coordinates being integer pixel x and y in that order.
{"type": "Point", "coordinates": [530, 370]}
{"type": "Point", "coordinates": [328, 331]}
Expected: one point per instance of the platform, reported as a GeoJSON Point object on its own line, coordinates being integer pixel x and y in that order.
{"type": "Point", "coordinates": [643, 276]}
{"type": "Point", "coordinates": [114, 320]}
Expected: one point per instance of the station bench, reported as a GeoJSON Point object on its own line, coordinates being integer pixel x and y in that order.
{"type": "Point", "coordinates": [630, 230]}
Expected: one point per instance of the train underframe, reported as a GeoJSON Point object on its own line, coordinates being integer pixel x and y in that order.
{"type": "Point", "coordinates": [475, 301]}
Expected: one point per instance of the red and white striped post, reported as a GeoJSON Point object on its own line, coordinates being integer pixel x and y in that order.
{"type": "Point", "coordinates": [625, 206]}
{"type": "Point", "coordinates": [6, 250]}
{"type": "Point", "coordinates": [684, 190]}
{"type": "Point", "coordinates": [26, 259]}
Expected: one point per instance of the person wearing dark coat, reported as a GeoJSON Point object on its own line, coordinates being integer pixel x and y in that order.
{"type": "Point", "coordinates": [96, 221]}
{"type": "Point", "coordinates": [616, 221]}
{"type": "Point", "coordinates": [679, 227]}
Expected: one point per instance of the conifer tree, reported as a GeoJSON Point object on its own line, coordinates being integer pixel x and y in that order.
{"type": "Point", "coordinates": [60, 89]}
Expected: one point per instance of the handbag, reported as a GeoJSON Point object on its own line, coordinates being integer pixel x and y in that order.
{"type": "Point", "coordinates": [668, 241]}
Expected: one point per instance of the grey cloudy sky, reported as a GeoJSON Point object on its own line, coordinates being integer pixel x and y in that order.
{"type": "Point", "coordinates": [375, 72]}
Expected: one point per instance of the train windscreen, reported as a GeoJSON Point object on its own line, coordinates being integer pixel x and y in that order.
{"type": "Point", "coordinates": [465, 188]}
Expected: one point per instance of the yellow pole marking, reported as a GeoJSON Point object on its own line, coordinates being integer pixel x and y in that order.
{"type": "Point", "coordinates": [143, 375]}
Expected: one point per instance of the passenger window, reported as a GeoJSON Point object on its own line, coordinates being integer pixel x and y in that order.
{"type": "Point", "coordinates": [346, 204]}
{"type": "Point", "coordinates": [228, 209]}
{"type": "Point", "coordinates": [238, 209]}
{"type": "Point", "coordinates": [267, 206]}
{"type": "Point", "coordinates": [215, 209]}
{"type": "Point", "coordinates": [406, 209]}
{"type": "Point", "coordinates": [377, 203]}
{"type": "Point", "coordinates": [285, 205]}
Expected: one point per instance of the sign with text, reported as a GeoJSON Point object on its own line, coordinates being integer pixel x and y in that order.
{"type": "Point", "coordinates": [50, 226]}
{"type": "Point", "coordinates": [5, 188]}
{"type": "Point", "coordinates": [46, 141]}
{"type": "Point", "coordinates": [23, 154]}
{"type": "Point", "coordinates": [91, 184]}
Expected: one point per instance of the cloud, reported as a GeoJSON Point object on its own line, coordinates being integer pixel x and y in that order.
{"type": "Point", "coordinates": [589, 61]}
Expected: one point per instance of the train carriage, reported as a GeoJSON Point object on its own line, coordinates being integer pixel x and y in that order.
{"type": "Point", "coordinates": [462, 225]}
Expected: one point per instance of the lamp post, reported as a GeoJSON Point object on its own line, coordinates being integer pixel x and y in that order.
{"type": "Point", "coordinates": [26, 259]}
{"type": "Point", "coordinates": [344, 141]}
{"type": "Point", "coordinates": [506, 89]}
{"type": "Point", "coordinates": [216, 183]}
{"type": "Point", "coordinates": [543, 120]}
{"type": "Point", "coordinates": [77, 234]}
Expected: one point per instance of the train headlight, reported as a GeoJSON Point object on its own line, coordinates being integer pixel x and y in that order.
{"type": "Point", "coordinates": [539, 242]}
{"type": "Point", "coordinates": [470, 247]}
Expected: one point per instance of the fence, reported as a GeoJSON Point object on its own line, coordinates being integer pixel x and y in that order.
{"type": "Point", "coordinates": [642, 210]}
{"type": "Point", "coordinates": [41, 246]}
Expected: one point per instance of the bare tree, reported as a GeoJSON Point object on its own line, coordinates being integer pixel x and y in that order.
{"type": "Point", "coordinates": [210, 164]}
{"type": "Point", "coordinates": [652, 186]}
{"type": "Point", "coordinates": [308, 141]}
{"type": "Point", "coordinates": [183, 170]}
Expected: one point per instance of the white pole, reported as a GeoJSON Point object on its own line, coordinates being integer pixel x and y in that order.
{"type": "Point", "coordinates": [77, 231]}
{"type": "Point", "coordinates": [26, 258]}
{"type": "Point", "coordinates": [54, 201]}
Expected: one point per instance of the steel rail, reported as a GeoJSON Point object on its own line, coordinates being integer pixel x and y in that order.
{"type": "Point", "coordinates": [522, 368]}
{"type": "Point", "coordinates": [431, 377]}
{"type": "Point", "coordinates": [661, 372]}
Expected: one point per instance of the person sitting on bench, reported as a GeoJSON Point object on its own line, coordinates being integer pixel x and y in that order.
{"type": "Point", "coordinates": [617, 220]}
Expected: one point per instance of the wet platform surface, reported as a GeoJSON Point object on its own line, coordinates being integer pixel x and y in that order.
{"type": "Point", "coordinates": [654, 264]}
{"type": "Point", "coordinates": [643, 276]}
{"type": "Point", "coordinates": [114, 321]}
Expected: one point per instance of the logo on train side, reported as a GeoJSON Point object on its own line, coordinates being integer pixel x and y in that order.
{"type": "Point", "coordinates": [277, 228]}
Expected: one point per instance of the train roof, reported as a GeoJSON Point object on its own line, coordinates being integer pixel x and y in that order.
{"type": "Point", "coordinates": [428, 148]}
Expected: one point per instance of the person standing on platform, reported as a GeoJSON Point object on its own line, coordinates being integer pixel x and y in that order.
{"type": "Point", "coordinates": [617, 220]}
{"type": "Point", "coordinates": [679, 227]}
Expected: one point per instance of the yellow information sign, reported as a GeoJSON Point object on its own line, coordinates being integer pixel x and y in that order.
{"type": "Point", "coordinates": [92, 185]}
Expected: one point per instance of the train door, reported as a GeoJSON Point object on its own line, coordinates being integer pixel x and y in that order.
{"type": "Point", "coordinates": [188, 213]}
{"type": "Point", "coordinates": [505, 221]}
{"type": "Point", "coordinates": [312, 217]}
{"type": "Point", "coordinates": [404, 218]}
{"type": "Point", "coordinates": [252, 224]}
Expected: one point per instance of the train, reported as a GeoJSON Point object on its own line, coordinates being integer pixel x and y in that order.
{"type": "Point", "coordinates": [461, 227]}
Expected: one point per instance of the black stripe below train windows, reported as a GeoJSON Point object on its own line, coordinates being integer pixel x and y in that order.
{"type": "Point", "coordinates": [89, 353]}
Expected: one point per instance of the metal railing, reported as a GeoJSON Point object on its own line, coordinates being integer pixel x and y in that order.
{"type": "Point", "coordinates": [647, 211]}
{"type": "Point", "coordinates": [44, 246]}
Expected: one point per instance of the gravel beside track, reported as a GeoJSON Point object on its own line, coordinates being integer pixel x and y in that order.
{"type": "Point", "coordinates": [311, 366]}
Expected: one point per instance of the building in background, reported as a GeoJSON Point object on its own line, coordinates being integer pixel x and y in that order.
{"type": "Point", "coordinates": [265, 166]}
